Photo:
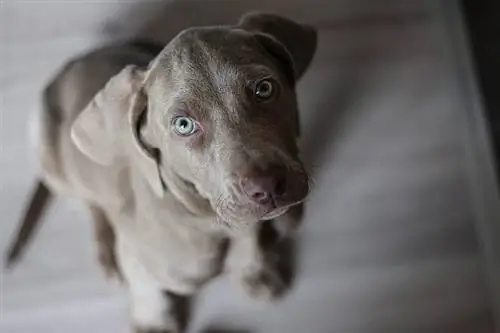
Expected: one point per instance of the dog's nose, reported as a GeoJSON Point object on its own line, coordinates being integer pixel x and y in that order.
{"type": "Point", "coordinates": [265, 188]}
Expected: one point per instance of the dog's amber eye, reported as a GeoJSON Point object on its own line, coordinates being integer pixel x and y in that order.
{"type": "Point", "coordinates": [264, 89]}
{"type": "Point", "coordinates": [184, 126]}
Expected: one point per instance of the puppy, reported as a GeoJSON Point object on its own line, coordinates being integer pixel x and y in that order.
{"type": "Point", "coordinates": [178, 152]}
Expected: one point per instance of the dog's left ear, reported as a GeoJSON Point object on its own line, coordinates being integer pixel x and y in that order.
{"type": "Point", "coordinates": [292, 44]}
{"type": "Point", "coordinates": [283, 38]}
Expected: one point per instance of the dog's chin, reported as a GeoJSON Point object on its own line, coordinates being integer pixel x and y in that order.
{"type": "Point", "coordinates": [245, 219]}
{"type": "Point", "coordinates": [275, 213]}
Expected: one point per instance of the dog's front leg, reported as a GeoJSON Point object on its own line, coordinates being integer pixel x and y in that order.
{"type": "Point", "coordinates": [153, 309]}
{"type": "Point", "coordinates": [253, 268]}
{"type": "Point", "coordinates": [156, 311]}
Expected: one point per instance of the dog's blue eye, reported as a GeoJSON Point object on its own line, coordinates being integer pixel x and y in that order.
{"type": "Point", "coordinates": [184, 126]}
{"type": "Point", "coordinates": [264, 89]}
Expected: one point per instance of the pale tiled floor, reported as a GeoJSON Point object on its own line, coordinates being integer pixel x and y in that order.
{"type": "Point", "coordinates": [388, 243]}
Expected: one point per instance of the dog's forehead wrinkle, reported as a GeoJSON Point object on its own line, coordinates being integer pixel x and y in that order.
{"type": "Point", "coordinates": [192, 73]}
{"type": "Point", "coordinates": [227, 83]}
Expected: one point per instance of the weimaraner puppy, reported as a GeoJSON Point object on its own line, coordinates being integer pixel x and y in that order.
{"type": "Point", "coordinates": [178, 152]}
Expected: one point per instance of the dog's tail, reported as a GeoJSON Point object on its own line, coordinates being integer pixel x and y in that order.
{"type": "Point", "coordinates": [40, 198]}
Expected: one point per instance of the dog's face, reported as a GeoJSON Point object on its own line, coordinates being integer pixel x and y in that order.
{"type": "Point", "coordinates": [218, 116]}
{"type": "Point", "coordinates": [224, 120]}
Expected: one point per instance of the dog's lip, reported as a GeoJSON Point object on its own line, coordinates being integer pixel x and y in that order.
{"type": "Point", "coordinates": [269, 210]}
{"type": "Point", "coordinates": [275, 213]}
{"type": "Point", "coordinates": [279, 210]}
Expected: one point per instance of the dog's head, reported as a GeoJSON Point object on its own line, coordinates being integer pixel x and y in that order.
{"type": "Point", "coordinates": [214, 118]}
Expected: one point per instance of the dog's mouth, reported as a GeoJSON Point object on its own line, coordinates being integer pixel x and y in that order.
{"type": "Point", "coordinates": [275, 213]}
{"type": "Point", "coordinates": [235, 207]}
{"type": "Point", "coordinates": [237, 211]}
{"type": "Point", "coordinates": [238, 216]}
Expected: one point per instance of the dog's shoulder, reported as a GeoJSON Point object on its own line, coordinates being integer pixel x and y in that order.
{"type": "Point", "coordinates": [64, 96]}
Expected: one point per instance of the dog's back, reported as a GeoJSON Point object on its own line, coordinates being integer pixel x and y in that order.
{"type": "Point", "coordinates": [64, 97]}
{"type": "Point", "coordinates": [71, 89]}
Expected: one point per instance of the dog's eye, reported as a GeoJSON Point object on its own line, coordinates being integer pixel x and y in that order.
{"type": "Point", "coordinates": [264, 89]}
{"type": "Point", "coordinates": [184, 126]}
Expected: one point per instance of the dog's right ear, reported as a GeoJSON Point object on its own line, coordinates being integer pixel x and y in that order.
{"type": "Point", "coordinates": [112, 119]}
{"type": "Point", "coordinates": [96, 130]}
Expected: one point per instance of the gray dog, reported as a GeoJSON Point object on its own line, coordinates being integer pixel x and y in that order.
{"type": "Point", "coordinates": [179, 152]}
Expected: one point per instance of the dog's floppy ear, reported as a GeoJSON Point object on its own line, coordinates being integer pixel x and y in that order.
{"type": "Point", "coordinates": [97, 128]}
{"type": "Point", "coordinates": [104, 128]}
{"type": "Point", "coordinates": [297, 40]}
{"type": "Point", "coordinates": [291, 43]}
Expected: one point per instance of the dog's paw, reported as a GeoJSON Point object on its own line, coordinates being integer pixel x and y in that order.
{"type": "Point", "coordinates": [264, 284]}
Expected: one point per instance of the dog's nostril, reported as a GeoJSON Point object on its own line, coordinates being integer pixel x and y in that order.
{"type": "Point", "coordinates": [261, 196]}
{"type": "Point", "coordinates": [263, 189]}
{"type": "Point", "coordinates": [259, 189]}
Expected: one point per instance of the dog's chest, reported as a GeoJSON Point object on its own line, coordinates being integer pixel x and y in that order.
{"type": "Point", "coordinates": [173, 251]}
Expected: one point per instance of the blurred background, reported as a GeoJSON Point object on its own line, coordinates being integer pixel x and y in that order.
{"type": "Point", "coordinates": [389, 242]}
